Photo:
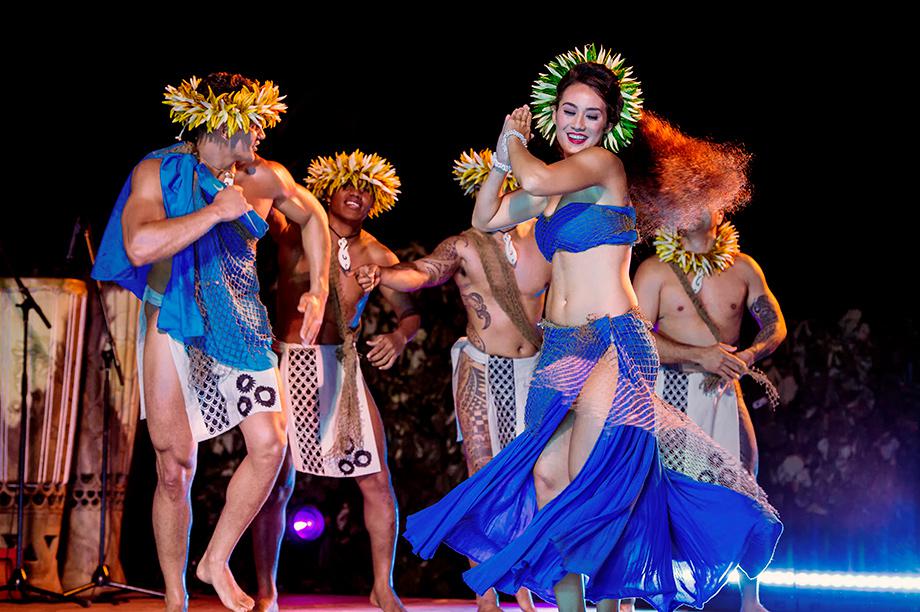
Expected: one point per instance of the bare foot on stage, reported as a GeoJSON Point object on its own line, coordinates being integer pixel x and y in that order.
{"type": "Point", "coordinates": [169, 606]}
{"type": "Point", "coordinates": [219, 576]}
{"type": "Point", "coordinates": [753, 606]}
{"type": "Point", "coordinates": [488, 602]}
{"type": "Point", "coordinates": [266, 604]}
{"type": "Point", "coordinates": [524, 600]}
{"type": "Point", "coordinates": [386, 599]}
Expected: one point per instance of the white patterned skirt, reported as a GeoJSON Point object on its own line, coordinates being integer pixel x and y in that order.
{"type": "Point", "coordinates": [715, 412]}
{"type": "Point", "coordinates": [313, 377]}
{"type": "Point", "coordinates": [217, 397]}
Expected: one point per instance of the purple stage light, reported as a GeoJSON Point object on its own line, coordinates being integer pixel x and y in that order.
{"type": "Point", "coordinates": [308, 523]}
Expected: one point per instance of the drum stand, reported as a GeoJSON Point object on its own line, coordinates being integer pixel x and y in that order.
{"type": "Point", "coordinates": [19, 580]}
{"type": "Point", "coordinates": [101, 576]}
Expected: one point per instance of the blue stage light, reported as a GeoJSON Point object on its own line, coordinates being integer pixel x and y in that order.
{"type": "Point", "coordinates": [838, 581]}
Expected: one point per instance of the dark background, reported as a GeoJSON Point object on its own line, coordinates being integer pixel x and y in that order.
{"type": "Point", "coordinates": [815, 99]}
{"type": "Point", "coordinates": [818, 100]}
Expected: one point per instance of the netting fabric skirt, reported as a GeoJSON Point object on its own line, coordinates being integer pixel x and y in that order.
{"type": "Point", "coordinates": [659, 510]}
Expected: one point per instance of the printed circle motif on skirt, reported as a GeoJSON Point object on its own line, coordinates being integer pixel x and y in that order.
{"type": "Point", "coordinates": [362, 458]}
{"type": "Point", "coordinates": [269, 396]}
{"type": "Point", "coordinates": [244, 405]}
{"type": "Point", "coordinates": [245, 382]}
{"type": "Point", "coordinates": [346, 467]}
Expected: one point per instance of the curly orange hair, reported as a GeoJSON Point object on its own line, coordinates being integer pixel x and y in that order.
{"type": "Point", "coordinates": [673, 176]}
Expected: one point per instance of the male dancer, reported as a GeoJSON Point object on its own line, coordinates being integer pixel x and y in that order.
{"type": "Point", "coordinates": [334, 426]}
{"type": "Point", "coordinates": [694, 292]}
{"type": "Point", "coordinates": [502, 278]}
{"type": "Point", "coordinates": [182, 238]}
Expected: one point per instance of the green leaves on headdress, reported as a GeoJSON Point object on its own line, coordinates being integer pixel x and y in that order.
{"type": "Point", "coordinates": [544, 94]}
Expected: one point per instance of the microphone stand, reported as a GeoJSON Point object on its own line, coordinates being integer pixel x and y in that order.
{"type": "Point", "coordinates": [102, 576]}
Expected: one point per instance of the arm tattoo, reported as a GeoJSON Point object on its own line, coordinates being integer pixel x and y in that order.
{"type": "Point", "coordinates": [475, 302]}
{"type": "Point", "coordinates": [766, 312]}
{"type": "Point", "coordinates": [439, 267]}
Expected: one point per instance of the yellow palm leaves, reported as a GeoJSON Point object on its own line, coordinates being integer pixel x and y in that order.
{"type": "Point", "coordinates": [368, 172]}
{"type": "Point", "coordinates": [239, 110]}
{"type": "Point", "coordinates": [472, 169]}
{"type": "Point", "coordinates": [670, 248]}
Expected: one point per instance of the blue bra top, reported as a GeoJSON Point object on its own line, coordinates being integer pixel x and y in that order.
{"type": "Point", "coordinates": [579, 226]}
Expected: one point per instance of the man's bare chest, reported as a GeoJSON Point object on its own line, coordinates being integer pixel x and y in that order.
{"type": "Point", "coordinates": [722, 295]}
{"type": "Point", "coordinates": [525, 276]}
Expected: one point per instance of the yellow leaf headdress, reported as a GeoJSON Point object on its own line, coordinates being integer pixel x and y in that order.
{"type": "Point", "coordinates": [368, 172]}
{"type": "Point", "coordinates": [670, 248]}
{"type": "Point", "coordinates": [238, 110]}
{"type": "Point", "coordinates": [472, 169]}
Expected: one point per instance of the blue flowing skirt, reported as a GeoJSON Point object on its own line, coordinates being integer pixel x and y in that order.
{"type": "Point", "coordinates": [659, 511]}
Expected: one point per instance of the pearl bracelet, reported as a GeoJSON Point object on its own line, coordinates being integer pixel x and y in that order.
{"type": "Point", "coordinates": [503, 147]}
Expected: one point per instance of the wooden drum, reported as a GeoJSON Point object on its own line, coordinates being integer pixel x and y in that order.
{"type": "Point", "coordinates": [54, 367]}
{"type": "Point", "coordinates": [86, 488]}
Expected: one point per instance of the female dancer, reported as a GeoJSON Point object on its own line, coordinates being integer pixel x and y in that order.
{"type": "Point", "coordinates": [607, 482]}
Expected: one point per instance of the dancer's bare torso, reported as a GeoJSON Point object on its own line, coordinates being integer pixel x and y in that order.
{"type": "Point", "coordinates": [294, 280]}
{"type": "Point", "coordinates": [593, 283]}
{"type": "Point", "coordinates": [725, 296]}
{"type": "Point", "coordinates": [489, 328]}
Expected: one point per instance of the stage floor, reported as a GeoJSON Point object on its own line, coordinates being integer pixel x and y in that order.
{"type": "Point", "coordinates": [292, 603]}
{"type": "Point", "coordinates": [778, 602]}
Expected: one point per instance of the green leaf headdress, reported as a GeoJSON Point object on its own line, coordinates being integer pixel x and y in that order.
{"type": "Point", "coordinates": [544, 94]}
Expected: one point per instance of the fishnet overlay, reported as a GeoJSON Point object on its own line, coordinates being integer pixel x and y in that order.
{"type": "Point", "coordinates": [227, 293]}
{"type": "Point", "coordinates": [676, 388]}
{"type": "Point", "coordinates": [572, 355]}
{"type": "Point", "coordinates": [502, 392]}
{"type": "Point", "coordinates": [204, 374]}
{"type": "Point", "coordinates": [302, 382]}
{"type": "Point", "coordinates": [686, 448]}
{"type": "Point", "coordinates": [348, 424]}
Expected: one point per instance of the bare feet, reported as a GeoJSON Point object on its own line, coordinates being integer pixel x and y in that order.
{"type": "Point", "coordinates": [524, 600]}
{"type": "Point", "coordinates": [177, 604]}
{"type": "Point", "coordinates": [219, 576]}
{"type": "Point", "coordinates": [752, 606]}
{"type": "Point", "coordinates": [385, 598]}
{"type": "Point", "coordinates": [266, 604]}
{"type": "Point", "coordinates": [488, 602]}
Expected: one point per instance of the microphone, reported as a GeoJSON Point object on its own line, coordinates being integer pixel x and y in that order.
{"type": "Point", "coordinates": [74, 236]}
